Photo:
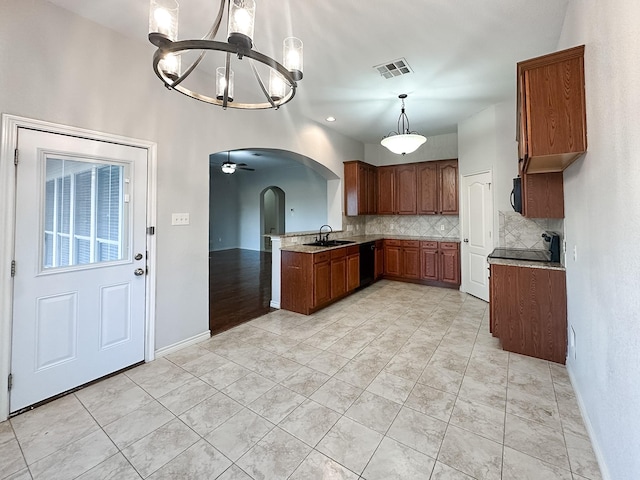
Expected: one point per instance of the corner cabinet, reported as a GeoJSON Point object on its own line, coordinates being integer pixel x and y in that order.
{"type": "Point", "coordinates": [552, 126]}
{"type": "Point", "coordinates": [360, 188]}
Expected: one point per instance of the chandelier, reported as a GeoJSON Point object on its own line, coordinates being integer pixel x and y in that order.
{"type": "Point", "coordinates": [404, 140]}
{"type": "Point", "coordinates": [167, 60]}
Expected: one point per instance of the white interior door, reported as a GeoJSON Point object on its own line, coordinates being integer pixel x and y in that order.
{"type": "Point", "coordinates": [477, 233]}
{"type": "Point", "coordinates": [79, 286]}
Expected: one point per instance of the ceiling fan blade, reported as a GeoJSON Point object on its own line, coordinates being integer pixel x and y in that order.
{"type": "Point", "coordinates": [241, 164]}
{"type": "Point", "coordinates": [245, 168]}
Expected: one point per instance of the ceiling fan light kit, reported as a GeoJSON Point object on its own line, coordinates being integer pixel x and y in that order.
{"type": "Point", "coordinates": [167, 60]}
{"type": "Point", "coordinates": [403, 140]}
{"type": "Point", "coordinates": [230, 167]}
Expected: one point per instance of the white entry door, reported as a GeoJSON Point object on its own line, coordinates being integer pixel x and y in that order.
{"type": "Point", "coordinates": [80, 252]}
{"type": "Point", "coordinates": [477, 233]}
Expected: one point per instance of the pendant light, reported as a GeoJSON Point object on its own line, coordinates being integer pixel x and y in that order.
{"type": "Point", "coordinates": [404, 140]}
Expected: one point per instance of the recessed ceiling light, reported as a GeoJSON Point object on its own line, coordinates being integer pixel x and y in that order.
{"type": "Point", "coordinates": [330, 119]}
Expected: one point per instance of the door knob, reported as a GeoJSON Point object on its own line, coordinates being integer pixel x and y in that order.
{"type": "Point", "coordinates": [138, 271]}
{"type": "Point", "coordinates": [466, 240]}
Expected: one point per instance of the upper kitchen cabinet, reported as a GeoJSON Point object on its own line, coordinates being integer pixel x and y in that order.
{"type": "Point", "coordinates": [397, 190]}
{"type": "Point", "coordinates": [552, 128]}
{"type": "Point", "coordinates": [361, 188]}
{"type": "Point", "coordinates": [438, 187]}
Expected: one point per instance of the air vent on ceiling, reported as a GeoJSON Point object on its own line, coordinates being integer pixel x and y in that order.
{"type": "Point", "coordinates": [394, 68]}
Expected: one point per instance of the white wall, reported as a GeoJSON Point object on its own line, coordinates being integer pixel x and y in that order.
{"type": "Point", "coordinates": [602, 201]}
{"type": "Point", "coordinates": [62, 68]}
{"type": "Point", "coordinates": [437, 147]}
{"type": "Point", "coordinates": [486, 141]}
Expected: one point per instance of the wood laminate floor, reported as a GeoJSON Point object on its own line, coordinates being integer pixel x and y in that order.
{"type": "Point", "coordinates": [239, 287]}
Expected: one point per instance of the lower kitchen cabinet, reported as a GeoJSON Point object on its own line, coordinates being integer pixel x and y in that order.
{"type": "Point", "coordinates": [338, 273]}
{"type": "Point", "coordinates": [393, 258]}
{"type": "Point", "coordinates": [429, 262]}
{"type": "Point", "coordinates": [449, 256]}
{"type": "Point", "coordinates": [379, 263]}
{"type": "Point", "coordinates": [411, 259]}
{"type": "Point", "coordinates": [528, 310]}
{"type": "Point", "coordinates": [311, 281]}
{"type": "Point", "coordinates": [440, 262]}
{"type": "Point", "coordinates": [353, 268]}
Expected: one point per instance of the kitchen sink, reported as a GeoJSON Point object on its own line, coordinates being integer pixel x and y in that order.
{"type": "Point", "coordinates": [329, 243]}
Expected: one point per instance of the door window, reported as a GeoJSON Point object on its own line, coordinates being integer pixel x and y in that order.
{"type": "Point", "coordinates": [84, 213]}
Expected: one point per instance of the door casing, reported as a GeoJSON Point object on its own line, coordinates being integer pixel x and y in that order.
{"type": "Point", "coordinates": [8, 143]}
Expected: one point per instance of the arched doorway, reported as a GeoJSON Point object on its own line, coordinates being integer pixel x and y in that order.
{"type": "Point", "coordinates": [272, 215]}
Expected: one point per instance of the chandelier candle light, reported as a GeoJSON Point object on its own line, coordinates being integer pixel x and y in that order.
{"type": "Point", "coordinates": [167, 60]}
{"type": "Point", "coordinates": [404, 140]}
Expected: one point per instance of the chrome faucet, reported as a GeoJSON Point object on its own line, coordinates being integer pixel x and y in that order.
{"type": "Point", "coordinates": [326, 237]}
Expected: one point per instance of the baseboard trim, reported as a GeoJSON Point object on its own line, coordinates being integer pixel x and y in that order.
{"type": "Point", "coordinates": [274, 304]}
{"type": "Point", "coordinates": [184, 343]}
{"type": "Point", "coordinates": [604, 471]}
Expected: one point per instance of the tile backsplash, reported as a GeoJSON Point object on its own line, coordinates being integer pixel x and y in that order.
{"type": "Point", "coordinates": [516, 231]}
{"type": "Point", "coordinates": [414, 225]}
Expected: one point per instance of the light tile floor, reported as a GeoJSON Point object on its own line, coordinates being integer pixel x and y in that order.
{"type": "Point", "coordinates": [398, 381]}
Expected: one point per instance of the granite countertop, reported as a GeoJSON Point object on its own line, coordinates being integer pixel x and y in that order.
{"type": "Point", "coordinates": [526, 263]}
{"type": "Point", "coordinates": [358, 239]}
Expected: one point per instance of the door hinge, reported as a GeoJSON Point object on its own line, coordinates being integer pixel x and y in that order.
{"type": "Point", "coordinates": [13, 268]}
{"type": "Point", "coordinates": [151, 230]}
{"type": "Point", "coordinates": [10, 381]}
{"type": "Point", "coordinates": [15, 157]}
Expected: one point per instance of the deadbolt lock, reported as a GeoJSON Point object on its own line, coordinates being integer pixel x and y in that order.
{"type": "Point", "coordinates": [138, 256]}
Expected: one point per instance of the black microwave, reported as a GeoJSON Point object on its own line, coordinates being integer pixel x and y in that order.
{"type": "Point", "coordinates": [516, 195]}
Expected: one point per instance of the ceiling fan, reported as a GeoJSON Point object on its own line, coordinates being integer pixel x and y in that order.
{"type": "Point", "coordinates": [230, 167]}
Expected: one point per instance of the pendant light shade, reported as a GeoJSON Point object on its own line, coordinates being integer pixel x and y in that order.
{"type": "Point", "coordinates": [242, 14]}
{"type": "Point", "coordinates": [221, 83]}
{"type": "Point", "coordinates": [404, 140]}
{"type": "Point", "coordinates": [403, 143]}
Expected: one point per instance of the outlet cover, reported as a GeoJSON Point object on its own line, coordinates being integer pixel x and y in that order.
{"type": "Point", "coordinates": [179, 219]}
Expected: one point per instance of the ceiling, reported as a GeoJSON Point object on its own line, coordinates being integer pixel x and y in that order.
{"type": "Point", "coordinates": [462, 53]}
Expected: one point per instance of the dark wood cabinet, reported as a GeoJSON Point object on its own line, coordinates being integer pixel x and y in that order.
{"type": "Point", "coordinates": [353, 268]}
{"type": "Point", "coordinates": [448, 187]}
{"type": "Point", "coordinates": [360, 187]}
{"type": "Point", "coordinates": [542, 195]}
{"type": "Point", "coordinates": [428, 188]}
{"type": "Point", "coordinates": [311, 281]}
{"type": "Point", "coordinates": [393, 258]}
{"type": "Point", "coordinates": [321, 283]}
{"type": "Point", "coordinates": [528, 311]}
{"type": "Point", "coordinates": [551, 115]}
{"type": "Point", "coordinates": [438, 187]}
{"type": "Point", "coordinates": [450, 262]}
{"type": "Point", "coordinates": [386, 190]}
{"type": "Point", "coordinates": [440, 261]}
{"type": "Point", "coordinates": [338, 272]}
{"type": "Point", "coordinates": [379, 261]}
{"type": "Point", "coordinates": [429, 261]}
{"type": "Point", "coordinates": [406, 190]}
{"type": "Point", "coordinates": [410, 259]}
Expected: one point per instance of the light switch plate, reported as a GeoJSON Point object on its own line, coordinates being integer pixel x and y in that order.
{"type": "Point", "coordinates": [179, 219]}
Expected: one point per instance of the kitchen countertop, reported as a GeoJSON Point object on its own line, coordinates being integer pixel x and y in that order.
{"type": "Point", "coordinates": [358, 239]}
{"type": "Point", "coordinates": [526, 263]}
